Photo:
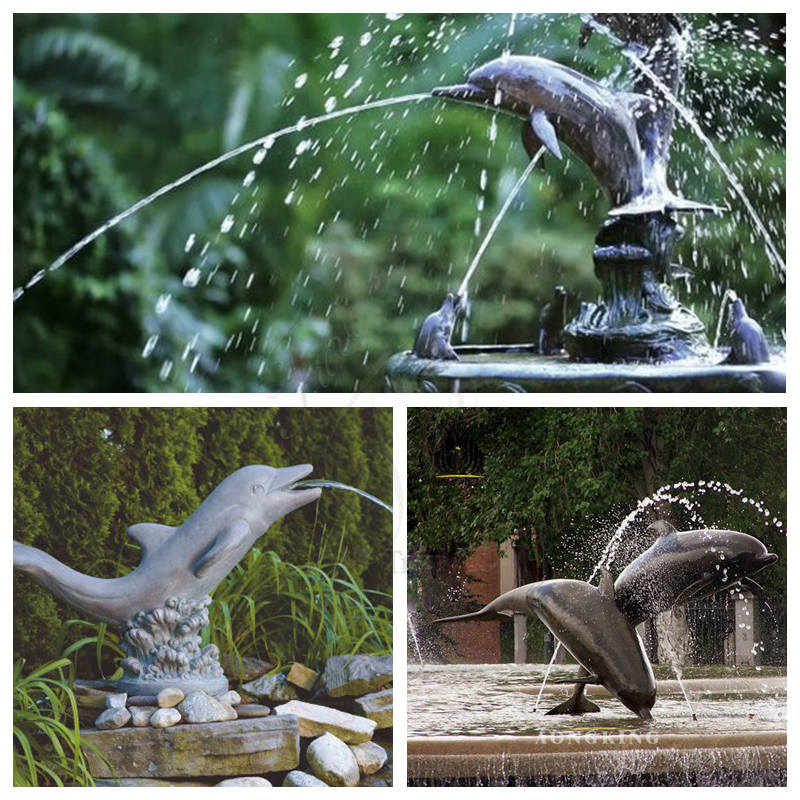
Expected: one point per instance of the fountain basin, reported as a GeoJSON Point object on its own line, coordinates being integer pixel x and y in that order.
{"type": "Point", "coordinates": [519, 368]}
{"type": "Point", "coordinates": [752, 758]}
{"type": "Point", "coordinates": [474, 724]}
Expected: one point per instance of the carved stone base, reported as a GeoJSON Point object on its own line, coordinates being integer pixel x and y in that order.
{"type": "Point", "coordinates": [163, 648]}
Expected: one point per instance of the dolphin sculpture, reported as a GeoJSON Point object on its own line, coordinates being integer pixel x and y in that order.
{"type": "Point", "coordinates": [586, 620]}
{"type": "Point", "coordinates": [676, 569]}
{"type": "Point", "coordinates": [185, 562]}
{"type": "Point", "coordinates": [598, 124]}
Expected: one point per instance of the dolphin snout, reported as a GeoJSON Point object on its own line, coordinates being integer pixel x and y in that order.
{"type": "Point", "coordinates": [466, 92]}
{"type": "Point", "coordinates": [286, 476]}
{"type": "Point", "coordinates": [768, 558]}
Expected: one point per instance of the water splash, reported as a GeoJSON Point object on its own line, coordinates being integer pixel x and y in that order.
{"type": "Point", "coordinates": [415, 638]}
{"type": "Point", "coordinates": [262, 141]}
{"type": "Point", "coordinates": [321, 484]}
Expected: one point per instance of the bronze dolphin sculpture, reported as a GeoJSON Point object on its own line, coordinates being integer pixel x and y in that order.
{"type": "Point", "coordinates": [586, 620]}
{"type": "Point", "coordinates": [676, 569]}
{"type": "Point", "coordinates": [597, 123]}
{"type": "Point", "coordinates": [186, 562]}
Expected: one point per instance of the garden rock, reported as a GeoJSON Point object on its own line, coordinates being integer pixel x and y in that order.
{"type": "Point", "coordinates": [226, 749]}
{"type": "Point", "coordinates": [315, 720]}
{"type": "Point", "coordinates": [355, 675]}
{"type": "Point", "coordinates": [271, 687]}
{"type": "Point", "coordinates": [116, 700]}
{"type": "Point", "coordinates": [370, 757]}
{"type": "Point", "coordinates": [230, 698]}
{"type": "Point", "coordinates": [169, 698]}
{"type": "Point", "coordinates": [332, 761]}
{"type": "Point", "coordinates": [302, 676]}
{"type": "Point", "coordinates": [244, 669]}
{"type": "Point", "coordinates": [378, 706]}
{"type": "Point", "coordinates": [165, 717]}
{"type": "Point", "coordinates": [298, 778]}
{"type": "Point", "coordinates": [199, 707]}
{"type": "Point", "coordinates": [249, 781]}
{"type": "Point", "coordinates": [142, 700]}
{"type": "Point", "coordinates": [112, 718]}
{"type": "Point", "coordinates": [252, 710]}
{"type": "Point", "coordinates": [140, 715]}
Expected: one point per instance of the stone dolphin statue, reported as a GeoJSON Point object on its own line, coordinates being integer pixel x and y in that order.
{"type": "Point", "coordinates": [586, 620]}
{"type": "Point", "coordinates": [186, 562]}
{"type": "Point", "coordinates": [558, 104]}
{"type": "Point", "coordinates": [677, 569]}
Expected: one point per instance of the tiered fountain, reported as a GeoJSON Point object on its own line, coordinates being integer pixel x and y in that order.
{"type": "Point", "coordinates": [637, 336]}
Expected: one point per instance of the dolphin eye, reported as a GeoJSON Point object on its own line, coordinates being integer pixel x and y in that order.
{"type": "Point", "coordinates": [257, 488]}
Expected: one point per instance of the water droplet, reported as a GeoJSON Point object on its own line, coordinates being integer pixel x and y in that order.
{"type": "Point", "coordinates": [163, 303]}
{"type": "Point", "coordinates": [249, 178]}
{"type": "Point", "coordinates": [192, 277]}
{"type": "Point", "coordinates": [227, 223]}
{"type": "Point", "coordinates": [300, 81]}
{"type": "Point", "coordinates": [150, 345]}
{"type": "Point", "coordinates": [189, 243]}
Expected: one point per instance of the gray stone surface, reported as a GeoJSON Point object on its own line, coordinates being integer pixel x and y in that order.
{"type": "Point", "coordinates": [370, 757]}
{"type": "Point", "coordinates": [116, 700]}
{"type": "Point", "coordinates": [356, 675]}
{"type": "Point", "coordinates": [271, 687]}
{"type": "Point", "coordinates": [252, 710]}
{"type": "Point", "coordinates": [165, 717]}
{"type": "Point", "coordinates": [332, 761]}
{"type": "Point", "coordinates": [142, 700]}
{"type": "Point", "coordinates": [169, 697]}
{"type": "Point", "coordinates": [230, 698]}
{"type": "Point", "coordinates": [199, 707]}
{"type": "Point", "coordinates": [245, 781]}
{"type": "Point", "coordinates": [315, 720]}
{"type": "Point", "coordinates": [112, 718]}
{"type": "Point", "coordinates": [298, 778]}
{"type": "Point", "coordinates": [378, 706]}
{"type": "Point", "coordinates": [229, 749]}
{"type": "Point", "coordinates": [140, 715]}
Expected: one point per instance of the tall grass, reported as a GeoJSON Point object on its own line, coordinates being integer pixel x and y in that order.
{"type": "Point", "coordinates": [284, 612]}
{"type": "Point", "coordinates": [47, 743]}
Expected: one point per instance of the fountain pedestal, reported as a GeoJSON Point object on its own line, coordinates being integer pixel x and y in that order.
{"type": "Point", "coordinates": [638, 318]}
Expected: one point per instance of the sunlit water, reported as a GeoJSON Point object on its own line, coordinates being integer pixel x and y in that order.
{"type": "Point", "coordinates": [498, 699]}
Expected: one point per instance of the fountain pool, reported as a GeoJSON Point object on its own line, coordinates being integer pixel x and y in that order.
{"type": "Point", "coordinates": [474, 724]}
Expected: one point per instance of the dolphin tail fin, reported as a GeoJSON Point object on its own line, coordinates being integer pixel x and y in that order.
{"type": "Point", "coordinates": [500, 608]}
{"type": "Point", "coordinates": [577, 704]}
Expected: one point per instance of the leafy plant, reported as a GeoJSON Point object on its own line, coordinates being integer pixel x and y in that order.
{"type": "Point", "coordinates": [284, 612]}
{"type": "Point", "coordinates": [47, 742]}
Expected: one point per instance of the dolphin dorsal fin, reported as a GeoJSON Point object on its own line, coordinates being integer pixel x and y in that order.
{"type": "Point", "coordinates": [150, 536]}
{"type": "Point", "coordinates": [661, 528]}
{"type": "Point", "coordinates": [606, 585]}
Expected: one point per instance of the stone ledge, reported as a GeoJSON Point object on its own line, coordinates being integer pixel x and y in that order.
{"type": "Point", "coordinates": [238, 747]}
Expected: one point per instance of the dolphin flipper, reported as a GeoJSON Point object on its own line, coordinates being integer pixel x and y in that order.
{"type": "Point", "coordinates": [545, 132]}
{"type": "Point", "coordinates": [150, 536]}
{"type": "Point", "coordinates": [228, 539]}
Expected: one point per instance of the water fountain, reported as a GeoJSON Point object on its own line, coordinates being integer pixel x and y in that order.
{"type": "Point", "coordinates": [638, 336]}
{"type": "Point", "coordinates": [477, 723]}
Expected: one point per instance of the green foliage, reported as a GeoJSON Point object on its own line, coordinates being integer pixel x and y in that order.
{"type": "Point", "coordinates": [382, 216]}
{"type": "Point", "coordinates": [284, 612]}
{"type": "Point", "coordinates": [83, 476]}
{"type": "Point", "coordinates": [47, 744]}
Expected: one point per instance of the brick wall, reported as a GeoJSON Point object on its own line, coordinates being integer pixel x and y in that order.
{"type": "Point", "coordinates": [479, 642]}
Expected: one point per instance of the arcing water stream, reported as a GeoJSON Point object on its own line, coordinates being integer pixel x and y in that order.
{"type": "Point", "coordinates": [265, 142]}
{"type": "Point", "coordinates": [322, 484]}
